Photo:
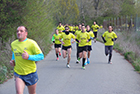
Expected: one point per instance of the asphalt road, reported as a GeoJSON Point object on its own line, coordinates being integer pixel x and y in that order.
{"type": "Point", "coordinates": [98, 78]}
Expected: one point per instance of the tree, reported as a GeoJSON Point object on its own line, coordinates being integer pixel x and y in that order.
{"type": "Point", "coordinates": [127, 7]}
{"type": "Point", "coordinates": [10, 15]}
{"type": "Point", "coordinates": [137, 7]}
{"type": "Point", "coordinates": [68, 12]}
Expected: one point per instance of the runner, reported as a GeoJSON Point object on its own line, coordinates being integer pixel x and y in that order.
{"type": "Point", "coordinates": [83, 38]}
{"type": "Point", "coordinates": [25, 52]}
{"type": "Point", "coordinates": [66, 48]}
{"type": "Point", "coordinates": [57, 43]}
{"type": "Point", "coordinates": [101, 26]}
{"type": "Point", "coordinates": [60, 28]}
{"type": "Point", "coordinates": [95, 28]}
{"type": "Point", "coordinates": [70, 28]}
{"type": "Point", "coordinates": [83, 24]}
{"type": "Point", "coordinates": [89, 43]}
{"type": "Point", "coordinates": [76, 33]}
{"type": "Point", "coordinates": [109, 37]}
{"type": "Point", "coordinates": [74, 29]}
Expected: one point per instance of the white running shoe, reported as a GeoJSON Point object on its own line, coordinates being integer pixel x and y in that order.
{"type": "Point", "coordinates": [77, 61]}
{"type": "Point", "coordinates": [110, 62]}
{"type": "Point", "coordinates": [68, 66]}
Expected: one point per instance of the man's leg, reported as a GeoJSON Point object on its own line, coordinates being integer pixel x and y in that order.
{"type": "Point", "coordinates": [89, 49]}
{"type": "Point", "coordinates": [77, 54]}
{"type": "Point", "coordinates": [69, 55]}
{"type": "Point", "coordinates": [32, 89]}
{"type": "Point", "coordinates": [95, 34]}
{"type": "Point", "coordinates": [88, 61]}
{"type": "Point", "coordinates": [80, 54]}
{"type": "Point", "coordinates": [106, 50]}
{"type": "Point", "coordinates": [88, 54]}
{"type": "Point", "coordinates": [64, 53]}
{"type": "Point", "coordinates": [56, 51]}
{"type": "Point", "coordinates": [110, 54]}
{"type": "Point", "coordinates": [59, 51]}
{"type": "Point", "coordinates": [84, 58]}
{"type": "Point", "coordinates": [20, 85]}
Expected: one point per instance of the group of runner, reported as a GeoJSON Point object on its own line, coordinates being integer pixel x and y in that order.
{"type": "Point", "coordinates": [83, 35]}
{"type": "Point", "coordinates": [26, 51]}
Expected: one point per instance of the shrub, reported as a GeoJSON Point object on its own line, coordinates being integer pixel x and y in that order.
{"type": "Point", "coordinates": [3, 73]}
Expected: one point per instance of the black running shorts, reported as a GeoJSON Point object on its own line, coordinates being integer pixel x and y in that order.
{"type": "Point", "coordinates": [57, 45]}
{"type": "Point", "coordinates": [81, 49]}
{"type": "Point", "coordinates": [65, 47]}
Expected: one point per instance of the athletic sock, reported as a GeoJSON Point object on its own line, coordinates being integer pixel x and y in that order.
{"type": "Point", "coordinates": [57, 55]}
{"type": "Point", "coordinates": [77, 55]}
{"type": "Point", "coordinates": [83, 62]}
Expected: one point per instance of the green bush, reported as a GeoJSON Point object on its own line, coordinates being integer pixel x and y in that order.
{"type": "Point", "coordinates": [130, 56]}
{"type": "Point", "coordinates": [118, 48]}
{"type": "Point", "coordinates": [136, 64]}
{"type": "Point", "coordinates": [3, 73]}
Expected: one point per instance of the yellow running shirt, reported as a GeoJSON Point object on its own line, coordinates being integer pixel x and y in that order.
{"type": "Point", "coordinates": [67, 38]}
{"type": "Point", "coordinates": [83, 37]}
{"type": "Point", "coordinates": [71, 28]}
{"type": "Point", "coordinates": [77, 32]}
{"type": "Point", "coordinates": [60, 29]}
{"type": "Point", "coordinates": [95, 28]}
{"type": "Point", "coordinates": [22, 66]}
{"type": "Point", "coordinates": [76, 28]}
{"type": "Point", "coordinates": [108, 37]}
{"type": "Point", "coordinates": [56, 38]}
{"type": "Point", "coordinates": [91, 35]}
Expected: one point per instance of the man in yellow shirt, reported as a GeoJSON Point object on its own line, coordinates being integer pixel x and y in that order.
{"type": "Point", "coordinates": [109, 37]}
{"type": "Point", "coordinates": [25, 52]}
{"type": "Point", "coordinates": [74, 29]}
{"type": "Point", "coordinates": [89, 43]}
{"type": "Point", "coordinates": [57, 43]}
{"type": "Point", "coordinates": [76, 33]}
{"type": "Point", "coordinates": [101, 26]}
{"type": "Point", "coordinates": [66, 48]}
{"type": "Point", "coordinates": [95, 28]}
{"type": "Point", "coordinates": [70, 28]}
{"type": "Point", "coordinates": [60, 28]}
{"type": "Point", "coordinates": [83, 38]}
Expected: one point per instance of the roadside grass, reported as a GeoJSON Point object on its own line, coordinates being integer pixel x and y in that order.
{"type": "Point", "coordinates": [136, 64]}
{"type": "Point", "coordinates": [128, 45]}
{"type": "Point", "coordinates": [6, 71]}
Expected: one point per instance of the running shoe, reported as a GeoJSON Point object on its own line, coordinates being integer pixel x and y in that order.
{"type": "Point", "coordinates": [57, 59]}
{"type": "Point", "coordinates": [83, 68]}
{"type": "Point", "coordinates": [68, 66]}
{"type": "Point", "coordinates": [109, 62]}
{"type": "Point", "coordinates": [88, 61]}
{"type": "Point", "coordinates": [77, 61]}
{"type": "Point", "coordinates": [85, 63]}
{"type": "Point", "coordinates": [59, 54]}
